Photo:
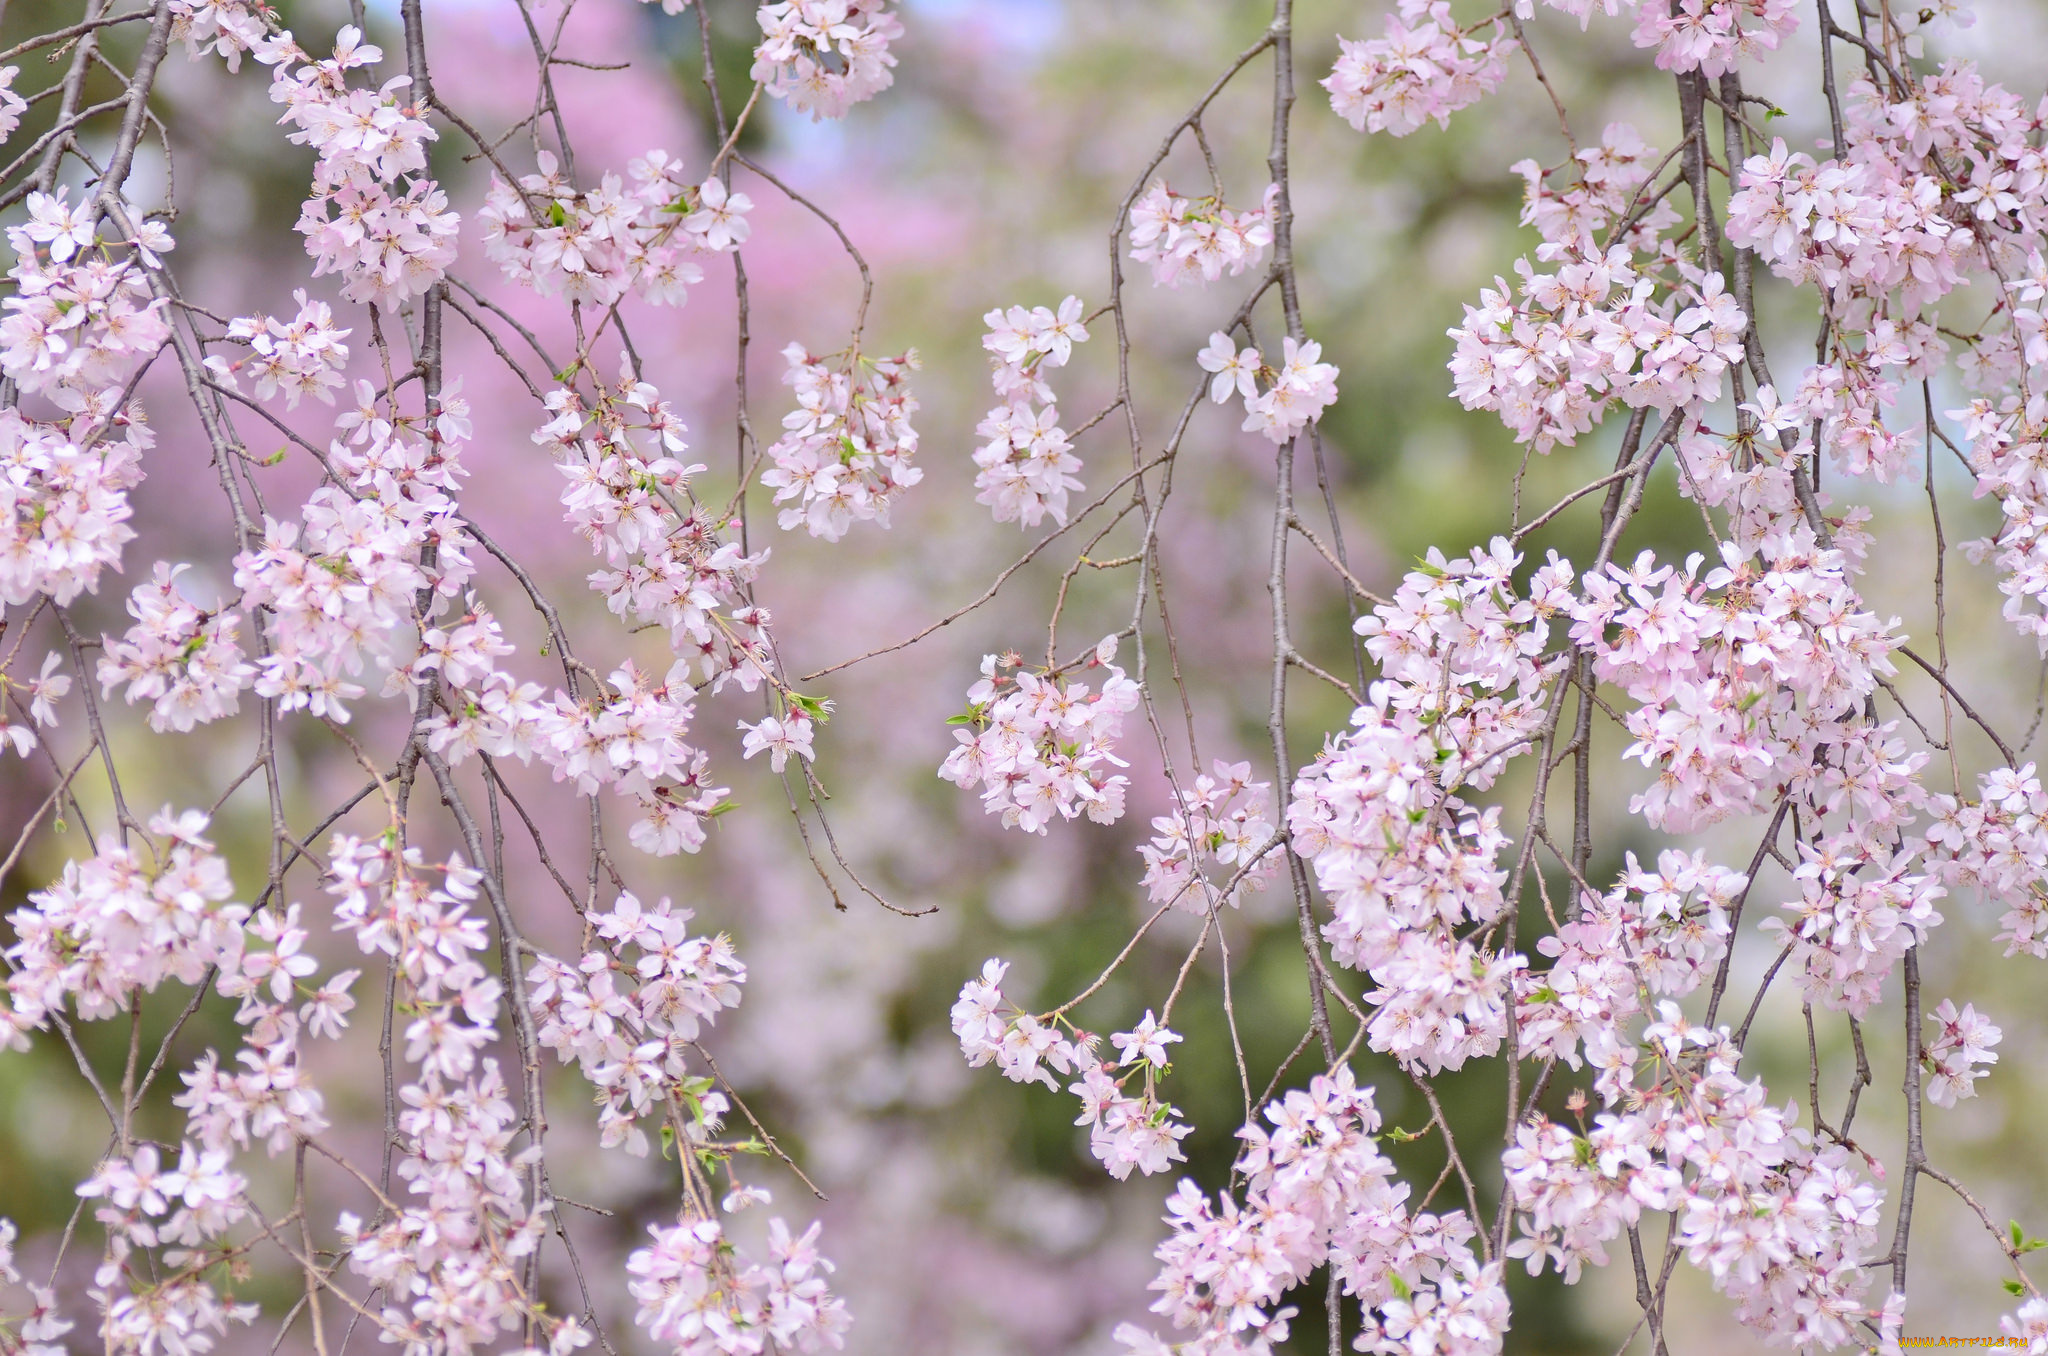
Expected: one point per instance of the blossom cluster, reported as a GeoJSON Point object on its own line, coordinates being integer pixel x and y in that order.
{"type": "Point", "coordinates": [226, 27]}
{"type": "Point", "coordinates": [64, 507]}
{"type": "Point", "coordinates": [1551, 363]}
{"type": "Point", "coordinates": [1377, 813]}
{"type": "Point", "coordinates": [182, 659]}
{"type": "Point", "coordinates": [1403, 858]}
{"type": "Point", "coordinates": [1709, 36]}
{"type": "Point", "coordinates": [1602, 195]}
{"type": "Point", "coordinates": [1038, 747]}
{"type": "Point", "coordinates": [1997, 846]}
{"type": "Point", "coordinates": [1221, 819]}
{"type": "Point", "coordinates": [1720, 665]}
{"type": "Point", "coordinates": [1425, 67]}
{"type": "Point", "coordinates": [1656, 934]}
{"type": "Point", "coordinates": [1468, 680]}
{"type": "Point", "coordinates": [700, 1299]}
{"type": "Point", "coordinates": [1295, 395]}
{"type": "Point", "coordinates": [1184, 238]}
{"type": "Point", "coordinates": [302, 358]}
{"type": "Point", "coordinates": [450, 1260]}
{"type": "Point", "coordinates": [1125, 1131]}
{"type": "Point", "coordinates": [598, 245]}
{"type": "Point", "coordinates": [824, 56]}
{"type": "Point", "coordinates": [1781, 1226]}
{"type": "Point", "coordinates": [80, 320]}
{"type": "Point", "coordinates": [670, 568]}
{"type": "Point", "coordinates": [1027, 465]}
{"type": "Point", "coordinates": [1319, 1192]}
{"type": "Point", "coordinates": [625, 494]}
{"type": "Point", "coordinates": [1428, 66]}
{"type": "Point", "coordinates": [118, 924]}
{"type": "Point", "coordinates": [821, 57]}
{"type": "Point", "coordinates": [628, 1023]}
{"type": "Point", "coordinates": [846, 450]}
{"type": "Point", "coordinates": [1963, 1042]}
{"type": "Point", "coordinates": [1936, 187]}
{"type": "Point", "coordinates": [375, 216]}
{"type": "Point", "coordinates": [339, 587]}
{"type": "Point", "coordinates": [1860, 910]}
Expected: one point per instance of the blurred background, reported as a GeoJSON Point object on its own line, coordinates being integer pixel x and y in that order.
{"type": "Point", "coordinates": [964, 1212]}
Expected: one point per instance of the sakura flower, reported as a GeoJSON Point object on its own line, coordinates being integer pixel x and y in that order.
{"type": "Point", "coordinates": [780, 737]}
{"type": "Point", "coordinates": [720, 220]}
{"type": "Point", "coordinates": [64, 228]}
{"type": "Point", "coordinates": [1235, 370]}
{"type": "Point", "coordinates": [326, 1013]}
{"type": "Point", "coordinates": [1147, 1041]}
{"type": "Point", "coordinates": [12, 105]}
{"type": "Point", "coordinates": [1303, 389]}
{"type": "Point", "coordinates": [1964, 1040]}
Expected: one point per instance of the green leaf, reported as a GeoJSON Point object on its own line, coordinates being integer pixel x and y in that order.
{"type": "Point", "coordinates": [668, 1140]}
{"type": "Point", "coordinates": [2019, 1235]}
{"type": "Point", "coordinates": [2013, 1287]}
{"type": "Point", "coordinates": [556, 215]}
{"type": "Point", "coordinates": [818, 709]}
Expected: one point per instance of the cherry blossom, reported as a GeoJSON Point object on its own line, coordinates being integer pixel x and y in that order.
{"type": "Point", "coordinates": [847, 448]}
{"type": "Point", "coordinates": [1184, 238]}
{"type": "Point", "coordinates": [302, 358]}
{"type": "Point", "coordinates": [824, 56]}
{"type": "Point", "coordinates": [1964, 1040]}
{"type": "Point", "coordinates": [779, 738]}
{"type": "Point", "coordinates": [1466, 889]}
{"type": "Point", "coordinates": [1222, 821]}
{"type": "Point", "coordinates": [184, 660]}
{"type": "Point", "coordinates": [12, 105]}
{"type": "Point", "coordinates": [1027, 464]}
{"type": "Point", "coordinates": [1037, 747]}
{"type": "Point", "coordinates": [1425, 67]}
